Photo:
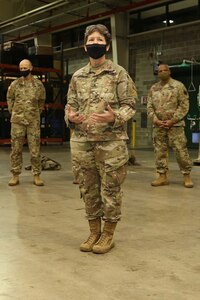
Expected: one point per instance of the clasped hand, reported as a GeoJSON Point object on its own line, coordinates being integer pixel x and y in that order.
{"type": "Point", "coordinates": [164, 124]}
{"type": "Point", "coordinates": [106, 117]}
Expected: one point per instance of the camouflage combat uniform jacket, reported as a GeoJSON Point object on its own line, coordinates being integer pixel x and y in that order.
{"type": "Point", "coordinates": [91, 90]}
{"type": "Point", "coordinates": [25, 100]}
{"type": "Point", "coordinates": [168, 102]}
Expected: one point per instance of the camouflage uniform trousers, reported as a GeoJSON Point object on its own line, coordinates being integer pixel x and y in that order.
{"type": "Point", "coordinates": [18, 134]}
{"type": "Point", "coordinates": [100, 169]}
{"type": "Point", "coordinates": [176, 139]}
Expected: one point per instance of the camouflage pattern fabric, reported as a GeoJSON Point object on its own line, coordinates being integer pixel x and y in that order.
{"type": "Point", "coordinates": [99, 151]}
{"type": "Point", "coordinates": [168, 102]}
{"type": "Point", "coordinates": [47, 164]}
{"type": "Point", "coordinates": [91, 90]}
{"type": "Point", "coordinates": [25, 100]}
{"type": "Point", "coordinates": [18, 133]}
{"type": "Point", "coordinates": [25, 103]}
{"type": "Point", "coordinates": [175, 138]}
{"type": "Point", "coordinates": [101, 169]}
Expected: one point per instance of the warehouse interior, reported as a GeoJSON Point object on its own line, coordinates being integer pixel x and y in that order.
{"type": "Point", "coordinates": [156, 256]}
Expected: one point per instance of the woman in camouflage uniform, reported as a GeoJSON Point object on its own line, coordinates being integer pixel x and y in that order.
{"type": "Point", "coordinates": [101, 98]}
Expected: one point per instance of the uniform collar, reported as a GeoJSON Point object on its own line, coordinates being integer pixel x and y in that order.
{"type": "Point", "coordinates": [106, 66]}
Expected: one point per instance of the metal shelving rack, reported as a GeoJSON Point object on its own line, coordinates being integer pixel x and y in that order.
{"type": "Point", "coordinates": [7, 71]}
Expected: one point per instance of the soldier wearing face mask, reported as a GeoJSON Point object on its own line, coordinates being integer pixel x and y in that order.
{"type": "Point", "coordinates": [167, 106]}
{"type": "Point", "coordinates": [25, 98]}
{"type": "Point", "coordinates": [100, 100]}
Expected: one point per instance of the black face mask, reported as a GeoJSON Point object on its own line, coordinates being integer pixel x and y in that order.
{"type": "Point", "coordinates": [25, 73]}
{"type": "Point", "coordinates": [96, 50]}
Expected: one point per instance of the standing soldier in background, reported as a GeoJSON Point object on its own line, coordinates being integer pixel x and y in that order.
{"type": "Point", "coordinates": [26, 98]}
{"type": "Point", "coordinates": [168, 104]}
{"type": "Point", "coordinates": [101, 98]}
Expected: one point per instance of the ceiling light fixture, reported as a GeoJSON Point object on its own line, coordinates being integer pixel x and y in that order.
{"type": "Point", "coordinates": [170, 21]}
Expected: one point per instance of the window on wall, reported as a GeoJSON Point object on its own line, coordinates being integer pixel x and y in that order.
{"type": "Point", "coordinates": [70, 38]}
{"type": "Point", "coordinates": [162, 16]}
{"type": "Point", "coordinates": [74, 37]}
{"type": "Point", "coordinates": [184, 11]}
{"type": "Point", "coordinates": [147, 20]}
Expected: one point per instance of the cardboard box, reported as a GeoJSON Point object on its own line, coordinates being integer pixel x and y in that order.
{"type": "Point", "coordinates": [8, 46]}
{"type": "Point", "coordinates": [40, 50]}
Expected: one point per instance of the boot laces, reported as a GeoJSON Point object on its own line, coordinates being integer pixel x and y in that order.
{"type": "Point", "coordinates": [104, 239]}
{"type": "Point", "coordinates": [92, 238]}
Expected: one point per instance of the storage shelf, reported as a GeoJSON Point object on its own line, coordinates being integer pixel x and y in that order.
{"type": "Point", "coordinates": [52, 117]}
{"type": "Point", "coordinates": [46, 106]}
{"type": "Point", "coordinates": [36, 70]}
{"type": "Point", "coordinates": [45, 134]}
{"type": "Point", "coordinates": [43, 141]}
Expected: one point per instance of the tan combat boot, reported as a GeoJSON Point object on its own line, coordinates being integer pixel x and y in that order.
{"type": "Point", "coordinates": [95, 233]}
{"type": "Point", "coordinates": [105, 243]}
{"type": "Point", "coordinates": [188, 181]}
{"type": "Point", "coordinates": [14, 180]}
{"type": "Point", "coordinates": [37, 181]}
{"type": "Point", "coordinates": [161, 180]}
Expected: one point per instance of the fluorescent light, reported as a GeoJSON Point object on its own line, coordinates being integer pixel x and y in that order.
{"type": "Point", "coordinates": [170, 21]}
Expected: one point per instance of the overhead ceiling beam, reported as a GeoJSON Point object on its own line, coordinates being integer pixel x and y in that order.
{"type": "Point", "coordinates": [36, 23]}
{"type": "Point", "coordinates": [103, 15]}
{"type": "Point", "coordinates": [34, 12]}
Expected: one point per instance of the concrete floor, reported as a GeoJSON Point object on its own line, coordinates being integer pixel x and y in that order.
{"type": "Point", "coordinates": [157, 253]}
